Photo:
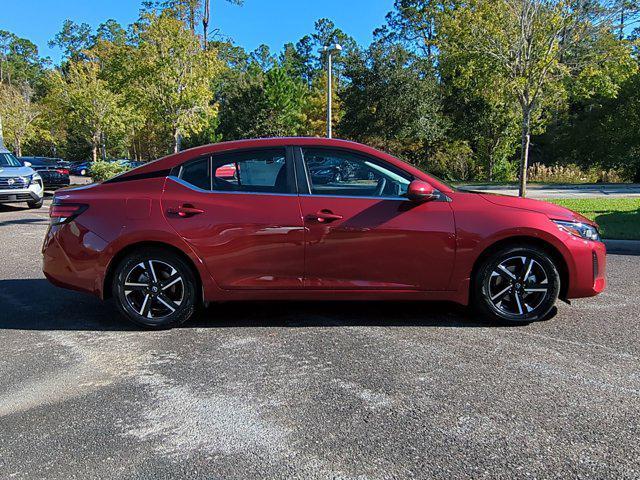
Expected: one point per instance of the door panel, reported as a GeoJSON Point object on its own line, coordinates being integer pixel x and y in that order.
{"type": "Point", "coordinates": [361, 231]}
{"type": "Point", "coordinates": [246, 240]}
{"type": "Point", "coordinates": [378, 243]}
{"type": "Point", "coordinates": [237, 212]}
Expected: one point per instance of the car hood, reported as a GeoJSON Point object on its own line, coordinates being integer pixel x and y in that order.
{"type": "Point", "coordinates": [551, 210]}
{"type": "Point", "coordinates": [16, 171]}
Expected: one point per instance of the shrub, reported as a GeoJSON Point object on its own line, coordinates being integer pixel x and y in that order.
{"type": "Point", "coordinates": [101, 170]}
{"type": "Point", "coordinates": [571, 173]}
{"type": "Point", "coordinates": [505, 171]}
{"type": "Point", "coordinates": [453, 161]}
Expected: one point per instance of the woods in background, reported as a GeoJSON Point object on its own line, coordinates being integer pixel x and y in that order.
{"type": "Point", "coordinates": [470, 90]}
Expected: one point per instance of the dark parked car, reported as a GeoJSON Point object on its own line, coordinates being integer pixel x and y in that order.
{"type": "Point", "coordinates": [54, 171]}
{"type": "Point", "coordinates": [81, 168]}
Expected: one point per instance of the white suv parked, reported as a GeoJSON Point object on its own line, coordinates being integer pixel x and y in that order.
{"type": "Point", "coordinates": [19, 183]}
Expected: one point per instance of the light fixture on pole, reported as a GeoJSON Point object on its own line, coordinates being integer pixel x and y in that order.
{"type": "Point", "coordinates": [330, 50]}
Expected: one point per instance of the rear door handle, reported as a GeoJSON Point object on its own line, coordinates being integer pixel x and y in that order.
{"type": "Point", "coordinates": [185, 211]}
{"type": "Point", "coordinates": [324, 216]}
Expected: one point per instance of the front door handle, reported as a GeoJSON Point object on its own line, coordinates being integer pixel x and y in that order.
{"type": "Point", "coordinates": [324, 216]}
{"type": "Point", "coordinates": [185, 211]}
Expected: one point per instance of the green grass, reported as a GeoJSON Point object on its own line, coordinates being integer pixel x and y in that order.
{"type": "Point", "coordinates": [618, 218]}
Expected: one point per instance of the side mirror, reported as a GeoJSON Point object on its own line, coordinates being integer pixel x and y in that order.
{"type": "Point", "coordinates": [27, 164]}
{"type": "Point", "coordinates": [420, 191]}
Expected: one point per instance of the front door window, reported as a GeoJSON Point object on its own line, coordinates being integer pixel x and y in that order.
{"type": "Point", "coordinates": [341, 173]}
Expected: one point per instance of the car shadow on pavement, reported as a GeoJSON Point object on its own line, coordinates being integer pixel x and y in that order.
{"type": "Point", "coordinates": [35, 304]}
{"type": "Point", "coordinates": [25, 221]}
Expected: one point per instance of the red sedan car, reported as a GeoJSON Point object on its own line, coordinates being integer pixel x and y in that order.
{"type": "Point", "coordinates": [264, 220]}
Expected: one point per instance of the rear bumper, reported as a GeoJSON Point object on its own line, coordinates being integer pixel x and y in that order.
{"type": "Point", "coordinates": [49, 184]}
{"type": "Point", "coordinates": [587, 274]}
{"type": "Point", "coordinates": [70, 263]}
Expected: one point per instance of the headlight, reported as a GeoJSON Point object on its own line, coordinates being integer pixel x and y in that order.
{"type": "Point", "coordinates": [579, 229]}
{"type": "Point", "coordinates": [26, 180]}
{"type": "Point", "coordinates": [36, 178]}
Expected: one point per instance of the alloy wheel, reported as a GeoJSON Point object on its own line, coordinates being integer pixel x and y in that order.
{"type": "Point", "coordinates": [153, 289]}
{"type": "Point", "coordinates": [517, 286]}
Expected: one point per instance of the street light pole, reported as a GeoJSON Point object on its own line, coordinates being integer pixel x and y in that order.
{"type": "Point", "coordinates": [1, 136]}
{"type": "Point", "coordinates": [337, 48]}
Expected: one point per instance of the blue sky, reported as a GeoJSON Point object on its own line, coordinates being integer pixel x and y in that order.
{"type": "Point", "coordinates": [273, 22]}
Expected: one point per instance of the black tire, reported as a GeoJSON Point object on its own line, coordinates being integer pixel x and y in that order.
{"type": "Point", "coordinates": [133, 282]}
{"type": "Point", "coordinates": [36, 204]}
{"type": "Point", "coordinates": [509, 290]}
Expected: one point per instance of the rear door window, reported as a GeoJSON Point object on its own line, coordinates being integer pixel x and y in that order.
{"type": "Point", "coordinates": [259, 171]}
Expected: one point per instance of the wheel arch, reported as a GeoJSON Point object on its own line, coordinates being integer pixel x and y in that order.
{"type": "Point", "coordinates": [524, 240]}
{"type": "Point", "coordinates": [130, 248]}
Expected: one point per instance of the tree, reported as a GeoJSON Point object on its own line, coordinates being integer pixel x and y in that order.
{"type": "Point", "coordinates": [19, 60]}
{"type": "Point", "coordinates": [92, 110]}
{"type": "Point", "coordinates": [206, 17]}
{"type": "Point", "coordinates": [414, 23]}
{"type": "Point", "coordinates": [73, 39]}
{"type": "Point", "coordinates": [525, 47]}
{"type": "Point", "coordinates": [627, 14]}
{"type": "Point", "coordinates": [18, 113]}
{"type": "Point", "coordinates": [393, 100]}
{"type": "Point", "coordinates": [171, 76]}
{"type": "Point", "coordinates": [265, 104]}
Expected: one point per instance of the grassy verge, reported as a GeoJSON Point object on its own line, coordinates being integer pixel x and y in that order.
{"type": "Point", "coordinates": [618, 218]}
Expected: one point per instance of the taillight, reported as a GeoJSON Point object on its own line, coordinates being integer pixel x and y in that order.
{"type": "Point", "coordinates": [60, 213]}
{"type": "Point", "coordinates": [62, 171]}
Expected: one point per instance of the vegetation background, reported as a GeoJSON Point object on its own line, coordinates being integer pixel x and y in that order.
{"type": "Point", "coordinates": [476, 90]}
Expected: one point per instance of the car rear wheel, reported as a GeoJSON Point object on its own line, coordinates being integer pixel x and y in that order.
{"type": "Point", "coordinates": [517, 284]}
{"type": "Point", "coordinates": [155, 289]}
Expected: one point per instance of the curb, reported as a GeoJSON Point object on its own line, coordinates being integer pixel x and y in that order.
{"type": "Point", "coordinates": [623, 247]}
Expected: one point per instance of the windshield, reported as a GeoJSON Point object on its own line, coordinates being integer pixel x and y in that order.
{"type": "Point", "coordinates": [8, 160]}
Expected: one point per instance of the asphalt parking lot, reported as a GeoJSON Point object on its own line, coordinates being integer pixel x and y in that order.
{"type": "Point", "coordinates": [309, 390]}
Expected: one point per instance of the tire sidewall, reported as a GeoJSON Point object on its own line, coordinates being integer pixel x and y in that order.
{"type": "Point", "coordinates": [181, 315]}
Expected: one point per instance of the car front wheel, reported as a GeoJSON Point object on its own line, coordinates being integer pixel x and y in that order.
{"type": "Point", "coordinates": [155, 289]}
{"type": "Point", "coordinates": [516, 284]}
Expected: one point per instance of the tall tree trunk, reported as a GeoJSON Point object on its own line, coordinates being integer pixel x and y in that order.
{"type": "Point", "coordinates": [18, 149]}
{"type": "Point", "coordinates": [524, 154]}
{"type": "Point", "coordinates": [192, 17]}
{"type": "Point", "coordinates": [1, 134]}
{"type": "Point", "coordinates": [94, 151]}
{"type": "Point", "coordinates": [205, 24]}
{"type": "Point", "coordinates": [177, 140]}
{"type": "Point", "coordinates": [491, 163]}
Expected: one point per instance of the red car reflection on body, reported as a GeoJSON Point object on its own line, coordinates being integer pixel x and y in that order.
{"type": "Point", "coordinates": [262, 220]}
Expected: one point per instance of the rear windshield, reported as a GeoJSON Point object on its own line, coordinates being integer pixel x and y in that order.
{"type": "Point", "coordinates": [41, 160]}
{"type": "Point", "coordinates": [8, 160]}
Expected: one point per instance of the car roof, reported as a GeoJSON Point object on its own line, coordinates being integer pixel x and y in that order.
{"type": "Point", "coordinates": [171, 161]}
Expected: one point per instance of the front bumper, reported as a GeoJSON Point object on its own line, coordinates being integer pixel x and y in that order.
{"type": "Point", "coordinates": [32, 194]}
{"type": "Point", "coordinates": [587, 270]}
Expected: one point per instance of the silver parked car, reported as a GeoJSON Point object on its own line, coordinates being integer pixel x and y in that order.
{"type": "Point", "coordinates": [19, 183]}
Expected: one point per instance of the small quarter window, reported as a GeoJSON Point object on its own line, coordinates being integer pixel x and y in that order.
{"type": "Point", "coordinates": [196, 173]}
